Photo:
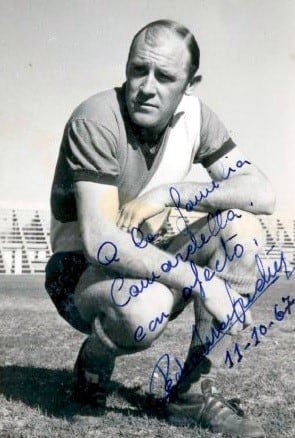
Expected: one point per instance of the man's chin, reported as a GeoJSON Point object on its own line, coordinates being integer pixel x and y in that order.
{"type": "Point", "coordinates": [144, 120]}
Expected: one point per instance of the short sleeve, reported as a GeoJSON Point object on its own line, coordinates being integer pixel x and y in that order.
{"type": "Point", "coordinates": [215, 140]}
{"type": "Point", "coordinates": [91, 152]}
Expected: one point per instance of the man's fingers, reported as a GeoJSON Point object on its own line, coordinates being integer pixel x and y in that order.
{"type": "Point", "coordinates": [249, 320]}
{"type": "Point", "coordinates": [134, 213]}
{"type": "Point", "coordinates": [124, 220]}
{"type": "Point", "coordinates": [128, 219]}
{"type": "Point", "coordinates": [240, 326]}
{"type": "Point", "coordinates": [121, 220]}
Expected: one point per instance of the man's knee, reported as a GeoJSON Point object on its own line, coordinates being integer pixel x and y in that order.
{"type": "Point", "coordinates": [133, 322]}
{"type": "Point", "coordinates": [245, 226]}
{"type": "Point", "coordinates": [237, 247]}
{"type": "Point", "coordinates": [91, 292]}
{"type": "Point", "coordinates": [141, 320]}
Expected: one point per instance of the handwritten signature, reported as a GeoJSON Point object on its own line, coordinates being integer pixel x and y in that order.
{"type": "Point", "coordinates": [162, 369]}
{"type": "Point", "coordinates": [268, 275]}
{"type": "Point", "coordinates": [258, 332]}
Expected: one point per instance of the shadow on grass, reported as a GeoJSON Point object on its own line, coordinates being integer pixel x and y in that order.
{"type": "Point", "coordinates": [50, 390]}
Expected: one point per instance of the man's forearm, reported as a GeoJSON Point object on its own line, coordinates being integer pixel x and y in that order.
{"type": "Point", "coordinates": [116, 252]}
{"type": "Point", "coordinates": [242, 192]}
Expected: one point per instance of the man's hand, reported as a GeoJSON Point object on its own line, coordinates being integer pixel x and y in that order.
{"type": "Point", "coordinates": [140, 209]}
{"type": "Point", "coordinates": [229, 310]}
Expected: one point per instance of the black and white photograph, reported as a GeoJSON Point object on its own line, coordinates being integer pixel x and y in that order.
{"type": "Point", "coordinates": [147, 219]}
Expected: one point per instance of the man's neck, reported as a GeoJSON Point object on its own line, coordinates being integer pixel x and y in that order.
{"type": "Point", "coordinates": [151, 138]}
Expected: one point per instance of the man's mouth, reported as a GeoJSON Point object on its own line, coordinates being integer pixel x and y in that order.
{"type": "Point", "coordinates": [145, 104]}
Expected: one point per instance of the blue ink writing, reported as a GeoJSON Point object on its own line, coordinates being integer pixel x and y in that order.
{"type": "Point", "coordinates": [268, 276]}
{"type": "Point", "coordinates": [280, 314]}
{"type": "Point", "coordinates": [214, 185]}
{"type": "Point", "coordinates": [162, 367]}
{"type": "Point", "coordinates": [220, 265]}
{"type": "Point", "coordinates": [216, 222]}
{"type": "Point", "coordinates": [190, 205]}
{"type": "Point", "coordinates": [132, 291]}
{"type": "Point", "coordinates": [140, 333]}
{"type": "Point", "coordinates": [141, 240]}
{"type": "Point", "coordinates": [258, 332]}
{"type": "Point", "coordinates": [239, 164]}
{"type": "Point", "coordinates": [107, 253]}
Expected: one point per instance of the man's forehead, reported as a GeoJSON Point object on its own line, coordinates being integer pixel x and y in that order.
{"type": "Point", "coordinates": [159, 37]}
{"type": "Point", "coordinates": [163, 43]}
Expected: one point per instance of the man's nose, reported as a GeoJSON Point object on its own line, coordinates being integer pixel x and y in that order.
{"type": "Point", "coordinates": [147, 87]}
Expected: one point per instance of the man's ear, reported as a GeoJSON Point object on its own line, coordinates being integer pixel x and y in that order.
{"type": "Point", "coordinates": [192, 84]}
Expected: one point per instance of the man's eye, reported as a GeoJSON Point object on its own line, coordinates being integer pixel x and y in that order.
{"type": "Point", "coordinates": [138, 70]}
{"type": "Point", "coordinates": [163, 77]}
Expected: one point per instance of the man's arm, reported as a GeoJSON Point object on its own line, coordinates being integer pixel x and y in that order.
{"type": "Point", "coordinates": [236, 183]}
{"type": "Point", "coordinates": [105, 244]}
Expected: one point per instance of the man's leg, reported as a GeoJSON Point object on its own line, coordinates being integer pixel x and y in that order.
{"type": "Point", "coordinates": [126, 329]}
{"type": "Point", "coordinates": [231, 254]}
{"type": "Point", "coordinates": [195, 391]}
{"type": "Point", "coordinates": [116, 330]}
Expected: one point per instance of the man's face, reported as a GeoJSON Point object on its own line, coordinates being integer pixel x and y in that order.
{"type": "Point", "coordinates": [157, 77]}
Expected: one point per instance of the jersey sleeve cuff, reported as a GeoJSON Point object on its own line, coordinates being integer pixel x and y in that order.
{"type": "Point", "coordinates": [94, 176]}
{"type": "Point", "coordinates": [225, 148]}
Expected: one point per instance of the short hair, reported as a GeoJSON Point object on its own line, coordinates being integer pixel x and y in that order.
{"type": "Point", "coordinates": [152, 30]}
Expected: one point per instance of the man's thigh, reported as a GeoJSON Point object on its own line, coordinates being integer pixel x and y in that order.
{"type": "Point", "coordinates": [63, 271]}
{"type": "Point", "coordinates": [227, 242]}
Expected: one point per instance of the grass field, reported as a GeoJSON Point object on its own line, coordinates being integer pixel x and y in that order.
{"type": "Point", "coordinates": [38, 350]}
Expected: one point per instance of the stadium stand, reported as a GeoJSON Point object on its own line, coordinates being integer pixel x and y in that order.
{"type": "Point", "coordinates": [25, 239]}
